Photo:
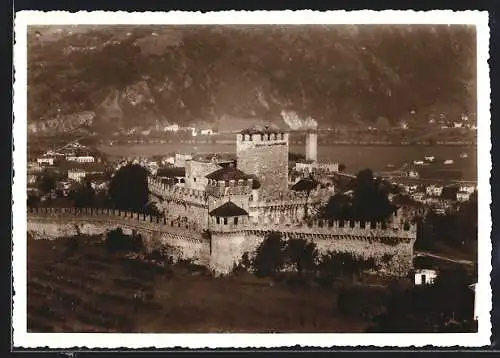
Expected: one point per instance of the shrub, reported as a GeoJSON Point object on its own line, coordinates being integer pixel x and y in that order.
{"type": "Point", "coordinates": [301, 254]}
{"type": "Point", "coordinates": [116, 240]}
{"type": "Point", "coordinates": [269, 257]}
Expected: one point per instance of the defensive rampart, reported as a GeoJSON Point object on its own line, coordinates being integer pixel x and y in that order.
{"type": "Point", "coordinates": [391, 247]}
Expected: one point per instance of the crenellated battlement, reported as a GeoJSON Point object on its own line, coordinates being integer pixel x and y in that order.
{"type": "Point", "coordinates": [291, 198]}
{"type": "Point", "coordinates": [263, 137]}
{"type": "Point", "coordinates": [155, 223]}
{"type": "Point", "coordinates": [228, 243]}
{"type": "Point", "coordinates": [336, 228]}
{"type": "Point", "coordinates": [127, 218]}
{"type": "Point", "coordinates": [192, 196]}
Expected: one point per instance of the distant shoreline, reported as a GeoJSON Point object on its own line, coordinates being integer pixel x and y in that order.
{"type": "Point", "coordinates": [293, 143]}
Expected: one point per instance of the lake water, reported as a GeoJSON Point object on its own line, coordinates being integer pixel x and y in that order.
{"type": "Point", "coordinates": [355, 157]}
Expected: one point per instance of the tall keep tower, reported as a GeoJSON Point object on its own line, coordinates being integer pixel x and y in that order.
{"type": "Point", "coordinates": [264, 153]}
{"type": "Point", "coordinates": [312, 145]}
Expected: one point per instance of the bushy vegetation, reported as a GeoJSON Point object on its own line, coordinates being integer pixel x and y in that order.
{"type": "Point", "coordinates": [116, 240]}
{"type": "Point", "coordinates": [446, 306]}
{"type": "Point", "coordinates": [275, 255]}
{"type": "Point", "coordinates": [369, 201]}
{"type": "Point", "coordinates": [129, 188]}
{"type": "Point", "coordinates": [457, 230]}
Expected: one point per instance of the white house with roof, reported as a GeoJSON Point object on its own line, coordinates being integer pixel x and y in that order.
{"type": "Point", "coordinates": [434, 190]}
{"type": "Point", "coordinates": [425, 276]}
{"type": "Point", "coordinates": [463, 196]}
{"type": "Point", "coordinates": [76, 174]}
{"type": "Point", "coordinates": [81, 158]}
{"type": "Point", "coordinates": [468, 188]}
{"type": "Point", "coordinates": [46, 160]}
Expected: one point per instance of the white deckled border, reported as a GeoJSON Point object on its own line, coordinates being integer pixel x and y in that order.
{"type": "Point", "coordinates": [93, 340]}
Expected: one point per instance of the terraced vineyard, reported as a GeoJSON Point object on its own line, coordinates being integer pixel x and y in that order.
{"type": "Point", "coordinates": [88, 289]}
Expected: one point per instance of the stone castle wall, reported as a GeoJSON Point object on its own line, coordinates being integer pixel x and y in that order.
{"type": "Point", "coordinates": [194, 205]}
{"type": "Point", "coordinates": [178, 240]}
{"type": "Point", "coordinates": [392, 247]}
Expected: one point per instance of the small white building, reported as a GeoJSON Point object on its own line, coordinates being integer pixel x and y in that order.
{"type": "Point", "coordinates": [419, 196]}
{"type": "Point", "coordinates": [309, 167]}
{"type": "Point", "coordinates": [467, 188]}
{"type": "Point", "coordinates": [76, 174]}
{"type": "Point", "coordinates": [180, 159]}
{"type": "Point", "coordinates": [304, 167]}
{"type": "Point", "coordinates": [81, 159]}
{"type": "Point", "coordinates": [171, 128]}
{"type": "Point", "coordinates": [45, 160]}
{"type": "Point", "coordinates": [463, 196]}
{"type": "Point", "coordinates": [434, 190]}
{"type": "Point", "coordinates": [413, 174]}
{"type": "Point", "coordinates": [206, 132]}
{"type": "Point", "coordinates": [425, 277]}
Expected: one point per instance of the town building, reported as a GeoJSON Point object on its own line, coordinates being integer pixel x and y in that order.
{"type": "Point", "coordinates": [46, 160]}
{"type": "Point", "coordinates": [81, 158]}
{"type": "Point", "coordinates": [180, 159]}
{"type": "Point", "coordinates": [425, 276]}
{"type": "Point", "coordinates": [76, 174]}
{"type": "Point", "coordinates": [463, 196]}
{"type": "Point", "coordinates": [434, 190]}
{"type": "Point", "coordinates": [311, 167]}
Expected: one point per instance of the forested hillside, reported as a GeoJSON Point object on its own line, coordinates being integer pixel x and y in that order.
{"type": "Point", "coordinates": [345, 74]}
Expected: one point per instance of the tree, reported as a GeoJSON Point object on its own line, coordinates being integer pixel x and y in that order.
{"type": "Point", "coordinates": [33, 200]}
{"type": "Point", "coordinates": [334, 265]}
{"type": "Point", "coordinates": [84, 196]}
{"type": "Point", "coordinates": [342, 167]}
{"type": "Point", "coordinates": [116, 240]}
{"type": "Point", "coordinates": [430, 309]}
{"type": "Point", "coordinates": [337, 208]}
{"type": "Point", "coordinates": [450, 192]}
{"type": "Point", "coordinates": [46, 182]}
{"type": "Point", "coordinates": [301, 254]}
{"type": "Point", "coordinates": [129, 188]}
{"type": "Point", "coordinates": [370, 201]}
{"type": "Point", "coordinates": [269, 257]}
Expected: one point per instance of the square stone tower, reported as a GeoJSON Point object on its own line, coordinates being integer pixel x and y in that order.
{"type": "Point", "coordinates": [263, 152]}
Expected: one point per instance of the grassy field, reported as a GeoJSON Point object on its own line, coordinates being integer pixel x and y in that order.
{"type": "Point", "coordinates": [90, 290]}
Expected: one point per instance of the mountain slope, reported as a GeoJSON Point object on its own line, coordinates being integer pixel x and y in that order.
{"type": "Point", "coordinates": [335, 74]}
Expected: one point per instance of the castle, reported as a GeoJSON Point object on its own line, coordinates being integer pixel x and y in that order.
{"type": "Point", "coordinates": [252, 187]}
{"type": "Point", "coordinates": [239, 202]}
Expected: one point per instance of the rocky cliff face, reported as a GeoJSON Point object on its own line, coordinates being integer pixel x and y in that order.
{"type": "Point", "coordinates": [324, 75]}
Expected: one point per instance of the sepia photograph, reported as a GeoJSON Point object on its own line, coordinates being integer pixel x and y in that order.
{"type": "Point", "coordinates": [252, 178]}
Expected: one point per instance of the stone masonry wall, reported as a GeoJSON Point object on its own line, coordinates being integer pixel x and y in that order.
{"type": "Point", "coordinates": [178, 242]}
{"type": "Point", "coordinates": [392, 247]}
{"type": "Point", "coordinates": [267, 159]}
{"type": "Point", "coordinates": [394, 259]}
